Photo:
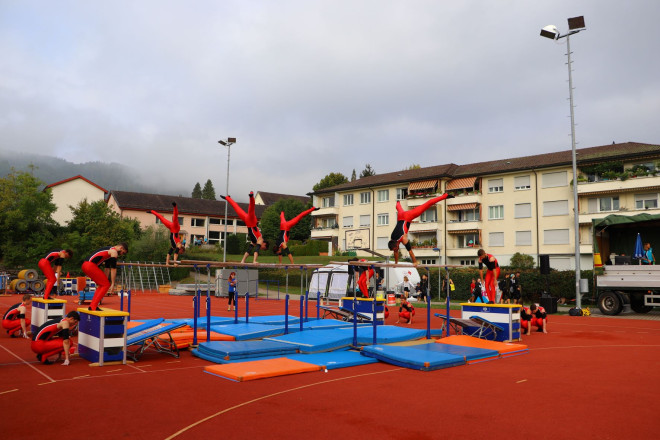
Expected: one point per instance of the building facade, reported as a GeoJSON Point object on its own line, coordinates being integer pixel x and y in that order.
{"type": "Point", "coordinates": [70, 192]}
{"type": "Point", "coordinates": [516, 205]}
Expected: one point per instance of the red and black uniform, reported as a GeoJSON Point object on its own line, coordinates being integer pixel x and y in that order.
{"type": "Point", "coordinates": [365, 276]}
{"type": "Point", "coordinates": [285, 227]}
{"type": "Point", "coordinates": [527, 317]}
{"type": "Point", "coordinates": [11, 321]}
{"type": "Point", "coordinates": [492, 274]}
{"type": "Point", "coordinates": [91, 268]}
{"type": "Point", "coordinates": [406, 310]}
{"type": "Point", "coordinates": [48, 340]}
{"type": "Point", "coordinates": [405, 218]}
{"type": "Point", "coordinates": [250, 219]}
{"type": "Point", "coordinates": [173, 226]}
{"type": "Point", "coordinates": [46, 264]}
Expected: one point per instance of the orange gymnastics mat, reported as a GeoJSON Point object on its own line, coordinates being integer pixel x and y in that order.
{"type": "Point", "coordinates": [242, 371]}
{"type": "Point", "coordinates": [504, 348]}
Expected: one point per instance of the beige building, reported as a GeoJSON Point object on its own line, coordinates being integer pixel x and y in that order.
{"type": "Point", "coordinates": [70, 192]}
{"type": "Point", "coordinates": [522, 204]}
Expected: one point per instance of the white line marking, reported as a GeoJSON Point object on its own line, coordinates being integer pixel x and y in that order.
{"type": "Point", "coordinates": [9, 391]}
{"type": "Point", "coordinates": [521, 381]}
{"type": "Point", "coordinates": [28, 364]}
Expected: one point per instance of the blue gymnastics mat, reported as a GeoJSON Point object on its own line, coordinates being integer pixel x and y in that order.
{"type": "Point", "coordinates": [471, 354]}
{"type": "Point", "coordinates": [315, 341]}
{"type": "Point", "coordinates": [409, 357]}
{"type": "Point", "coordinates": [334, 359]}
{"type": "Point", "coordinates": [318, 324]}
{"type": "Point", "coordinates": [219, 360]}
{"type": "Point", "coordinates": [386, 334]}
{"type": "Point", "coordinates": [215, 320]}
{"type": "Point", "coordinates": [143, 326]}
{"type": "Point", "coordinates": [242, 331]}
{"type": "Point", "coordinates": [229, 350]}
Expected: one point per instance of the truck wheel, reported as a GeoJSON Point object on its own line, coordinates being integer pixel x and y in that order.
{"type": "Point", "coordinates": [637, 304]}
{"type": "Point", "coordinates": [609, 303]}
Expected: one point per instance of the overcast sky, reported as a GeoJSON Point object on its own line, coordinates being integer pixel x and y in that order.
{"type": "Point", "coordinates": [312, 87]}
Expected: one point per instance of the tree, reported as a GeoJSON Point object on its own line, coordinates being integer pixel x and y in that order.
{"type": "Point", "coordinates": [208, 192]}
{"type": "Point", "coordinates": [95, 225]}
{"type": "Point", "coordinates": [270, 220]}
{"type": "Point", "coordinates": [27, 229]}
{"type": "Point", "coordinates": [521, 261]}
{"type": "Point", "coordinates": [353, 176]}
{"type": "Point", "coordinates": [330, 180]}
{"type": "Point", "coordinates": [197, 191]}
{"type": "Point", "coordinates": [414, 166]}
{"type": "Point", "coordinates": [367, 171]}
{"type": "Point", "coordinates": [234, 242]}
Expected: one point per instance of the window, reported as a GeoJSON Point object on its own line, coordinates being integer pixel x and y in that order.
{"type": "Point", "coordinates": [348, 199]}
{"type": "Point", "coordinates": [552, 180]}
{"type": "Point", "coordinates": [468, 215]}
{"type": "Point", "coordinates": [214, 221]}
{"type": "Point", "coordinates": [347, 222]}
{"type": "Point", "coordinates": [401, 193]}
{"type": "Point", "coordinates": [328, 202]}
{"type": "Point", "coordinates": [521, 183]}
{"type": "Point", "coordinates": [365, 197]}
{"type": "Point", "coordinates": [646, 201]}
{"type": "Point", "coordinates": [365, 220]}
{"type": "Point", "coordinates": [238, 222]}
{"type": "Point", "coordinates": [496, 212]}
{"type": "Point", "coordinates": [523, 238]}
{"type": "Point", "coordinates": [383, 219]}
{"type": "Point", "coordinates": [468, 240]}
{"type": "Point", "coordinates": [329, 222]}
{"type": "Point", "coordinates": [468, 262]}
{"type": "Point", "coordinates": [556, 207]}
{"type": "Point", "coordinates": [603, 204]}
{"type": "Point", "coordinates": [158, 222]}
{"type": "Point", "coordinates": [495, 185]}
{"type": "Point", "coordinates": [555, 236]}
{"type": "Point", "coordinates": [197, 222]}
{"type": "Point", "coordinates": [214, 237]}
{"type": "Point", "coordinates": [381, 242]}
{"type": "Point", "coordinates": [522, 210]}
{"type": "Point", "coordinates": [383, 195]}
{"type": "Point", "coordinates": [430, 215]}
{"type": "Point", "coordinates": [496, 239]}
{"type": "Point", "coordinates": [428, 261]}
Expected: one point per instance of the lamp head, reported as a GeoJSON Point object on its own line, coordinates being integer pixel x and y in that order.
{"type": "Point", "coordinates": [550, 31]}
{"type": "Point", "coordinates": [228, 142]}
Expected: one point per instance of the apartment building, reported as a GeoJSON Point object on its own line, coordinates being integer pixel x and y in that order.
{"type": "Point", "coordinates": [522, 204]}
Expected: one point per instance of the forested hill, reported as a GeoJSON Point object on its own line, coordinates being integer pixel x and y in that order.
{"type": "Point", "coordinates": [111, 176]}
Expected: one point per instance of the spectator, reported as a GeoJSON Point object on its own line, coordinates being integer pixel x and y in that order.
{"type": "Point", "coordinates": [424, 287]}
{"type": "Point", "coordinates": [405, 287]}
{"type": "Point", "coordinates": [515, 288]}
{"type": "Point", "coordinates": [648, 257]}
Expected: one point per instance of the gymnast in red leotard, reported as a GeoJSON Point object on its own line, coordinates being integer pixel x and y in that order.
{"type": "Point", "coordinates": [404, 218]}
{"type": "Point", "coordinates": [176, 246]}
{"type": "Point", "coordinates": [280, 248]}
{"type": "Point", "coordinates": [257, 242]}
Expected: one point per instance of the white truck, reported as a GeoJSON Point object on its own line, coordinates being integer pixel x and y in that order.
{"type": "Point", "coordinates": [634, 286]}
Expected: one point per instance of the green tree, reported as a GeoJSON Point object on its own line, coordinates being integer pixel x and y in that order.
{"type": "Point", "coordinates": [95, 225]}
{"type": "Point", "coordinates": [270, 220]}
{"type": "Point", "coordinates": [27, 229]}
{"type": "Point", "coordinates": [353, 176]}
{"type": "Point", "coordinates": [330, 180]}
{"type": "Point", "coordinates": [153, 244]}
{"type": "Point", "coordinates": [414, 166]}
{"type": "Point", "coordinates": [208, 192]}
{"type": "Point", "coordinates": [521, 261]}
{"type": "Point", "coordinates": [367, 171]}
{"type": "Point", "coordinates": [235, 243]}
{"type": "Point", "coordinates": [197, 191]}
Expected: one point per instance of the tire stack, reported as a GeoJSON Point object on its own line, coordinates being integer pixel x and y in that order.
{"type": "Point", "coordinates": [27, 281]}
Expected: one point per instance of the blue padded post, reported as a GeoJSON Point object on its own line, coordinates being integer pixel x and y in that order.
{"type": "Point", "coordinates": [208, 303]}
{"type": "Point", "coordinates": [302, 305]}
{"type": "Point", "coordinates": [286, 314]}
{"type": "Point", "coordinates": [428, 305]}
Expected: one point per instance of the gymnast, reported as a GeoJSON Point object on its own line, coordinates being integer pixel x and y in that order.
{"type": "Point", "coordinates": [53, 338]}
{"type": "Point", "coordinates": [14, 320]}
{"type": "Point", "coordinates": [91, 268]}
{"type": "Point", "coordinates": [176, 246]}
{"type": "Point", "coordinates": [403, 220]}
{"type": "Point", "coordinates": [51, 266]}
{"type": "Point", "coordinates": [492, 273]}
{"type": "Point", "coordinates": [280, 248]}
{"type": "Point", "coordinates": [257, 242]}
{"type": "Point", "coordinates": [406, 310]}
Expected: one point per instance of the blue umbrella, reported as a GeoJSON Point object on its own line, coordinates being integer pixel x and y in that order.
{"type": "Point", "coordinates": [639, 250]}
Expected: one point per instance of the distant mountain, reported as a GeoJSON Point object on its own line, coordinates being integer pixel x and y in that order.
{"type": "Point", "coordinates": [111, 176]}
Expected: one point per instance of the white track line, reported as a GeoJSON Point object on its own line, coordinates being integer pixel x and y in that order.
{"type": "Point", "coordinates": [28, 364]}
{"type": "Point", "coordinates": [8, 391]}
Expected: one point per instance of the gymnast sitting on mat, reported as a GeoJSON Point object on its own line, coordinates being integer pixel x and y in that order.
{"type": "Point", "coordinates": [14, 320]}
{"type": "Point", "coordinates": [406, 310]}
{"type": "Point", "coordinates": [53, 338]}
{"type": "Point", "coordinates": [533, 316]}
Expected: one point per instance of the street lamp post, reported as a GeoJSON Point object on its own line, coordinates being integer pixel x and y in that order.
{"type": "Point", "coordinates": [227, 143]}
{"type": "Point", "coordinates": [575, 25]}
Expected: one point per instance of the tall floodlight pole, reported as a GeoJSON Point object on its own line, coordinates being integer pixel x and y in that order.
{"type": "Point", "coordinates": [227, 143]}
{"type": "Point", "coordinates": [575, 25]}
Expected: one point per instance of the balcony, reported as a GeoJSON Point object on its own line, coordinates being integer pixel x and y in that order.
{"type": "Point", "coordinates": [465, 197]}
{"type": "Point", "coordinates": [458, 226]}
{"type": "Point", "coordinates": [632, 184]}
{"type": "Point", "coordinates": [327, 211]}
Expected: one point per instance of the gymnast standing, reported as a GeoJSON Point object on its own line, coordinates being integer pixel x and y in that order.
{"type": "Point", "coordinates": [176, 246]}
{"type": "Point", "coordinates": [51, 266]}
{"type": "Point", "coordinates": [257, 242]}
{"type": "Point", "coordinates": [403, 220]}
{"type": "Point", "coordinates": [280, 248]}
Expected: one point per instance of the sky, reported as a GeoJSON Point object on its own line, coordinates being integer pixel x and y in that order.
{"type": "Point", "coordinates": [312, 87]}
